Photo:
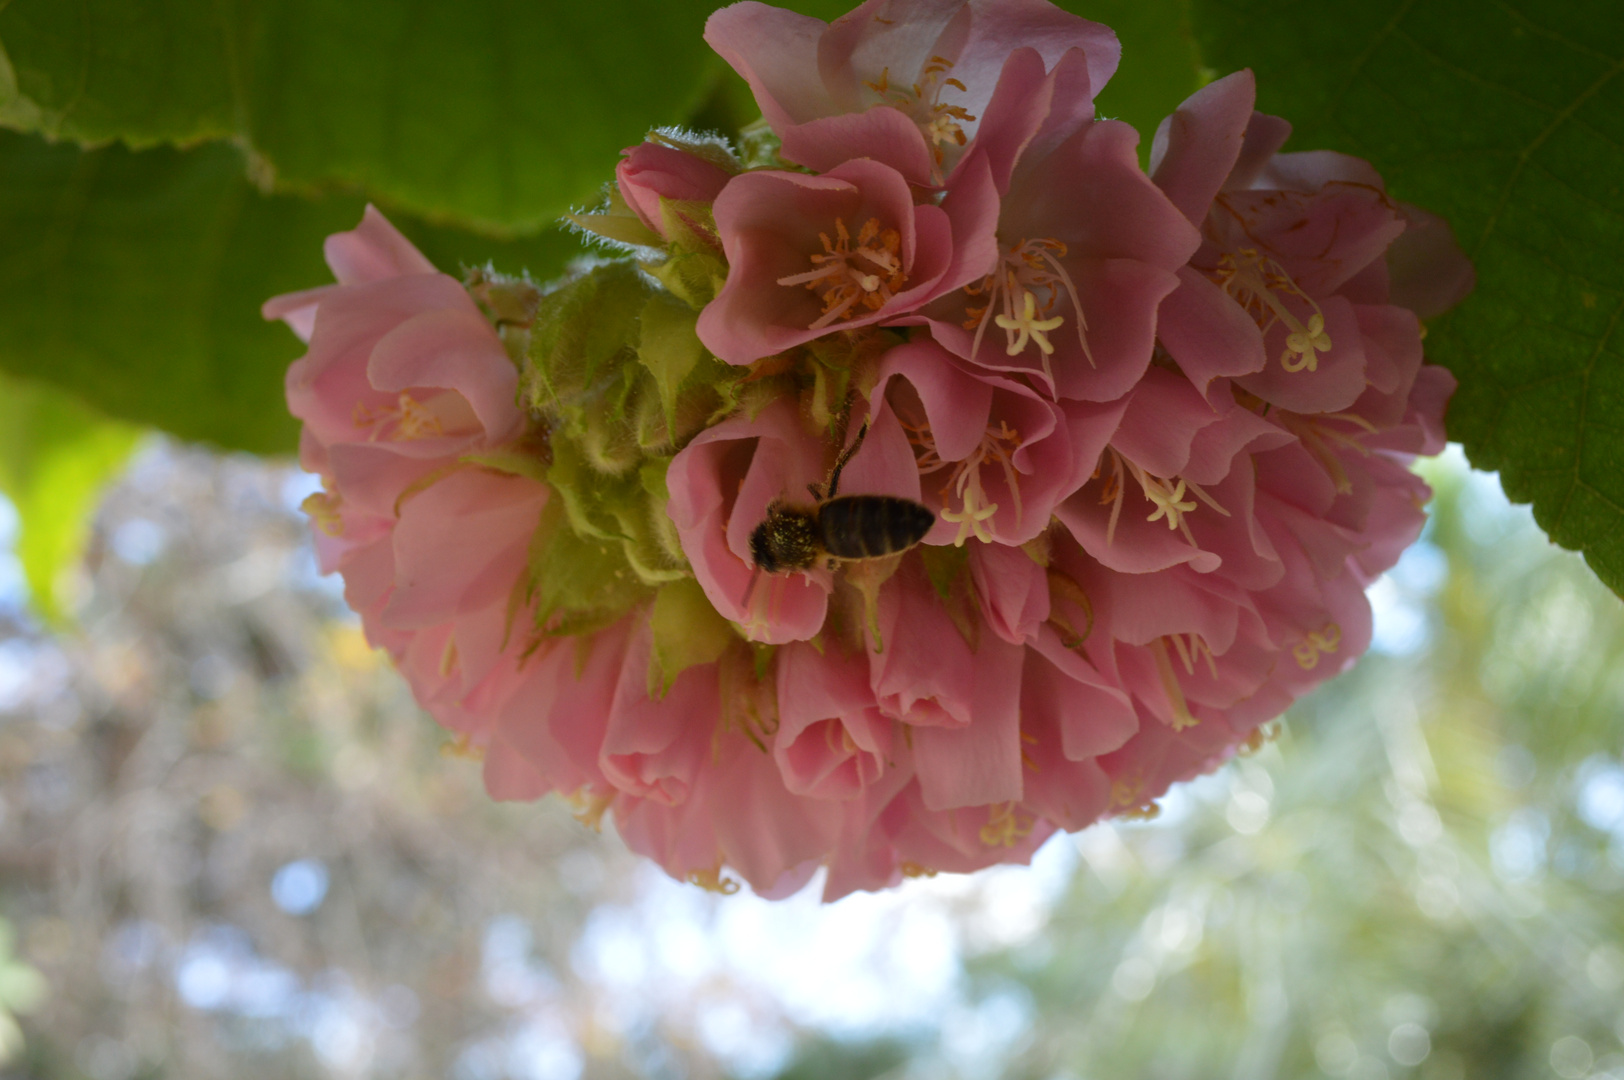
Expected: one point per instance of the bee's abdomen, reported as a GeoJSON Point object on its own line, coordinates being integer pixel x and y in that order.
{"type": "Point", "coordinates": [868, 526]}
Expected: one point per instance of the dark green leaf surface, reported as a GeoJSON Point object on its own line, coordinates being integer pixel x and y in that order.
{"type": "Point", "coordinates": [1508, 119]}
{"type": "Point", "coordinates": [1160, 63]}
{"type": "Point", "coordinates": [497, 113]}
{"type": "Point", "coordinates": [135, 280]}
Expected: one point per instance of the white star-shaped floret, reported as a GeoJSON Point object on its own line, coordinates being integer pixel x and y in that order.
{"type": "Point", "coordinates": [970, 520]}
{"type": "Point", "coordinates": [1167, 503]}
{"type": "Point", "coordinates": [1029, 327]}
{"type": "Point", "coordinates": [1306, 344]}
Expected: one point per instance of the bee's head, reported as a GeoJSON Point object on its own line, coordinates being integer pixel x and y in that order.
{"type": "Point", "coordinates": [786, 540]}
{"type": "Point", "coordinates": [761, 547]}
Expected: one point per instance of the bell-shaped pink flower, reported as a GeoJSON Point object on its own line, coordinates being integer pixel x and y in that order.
{"type": "Point", "coordinates": [833, 742]}
{"type": "Point", "coordinates": [906, 82]}
{"type": "Point", "coordinates": [1087, 250]}
{"type": "Point", "coordinates": [810, 255]}
{"type": "Point", "coordinates": [722, 484]}
{"type": "Point", "coordinates": [994, 457]}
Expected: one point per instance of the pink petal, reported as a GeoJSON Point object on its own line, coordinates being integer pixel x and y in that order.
{"type": "Point", "coordinates": [373, 251]}
{"type": "Point", "coordinates": [776, 52]}
{"type": "Point", "coordinates": [832, 742]}
{"type": "Point", "coordinates": [1013, 591]}
{"type": "Point", "coordinates": [655, 747]}
{"type": "Point", "coordinates": [886, 135]}
{"type": "Point", "coordinates": [1207, 332]}
{"type": "Point", "coordinates": [462, 543]}
{"type": "Point", "coordinates": [721, 484]}
{"type": "Point", "coordinates": [1338, 377]}
{"type": "Point", "coordinates": [454, 348]}
{"type": "Point", "coordinates": [980, 762]}
{"type": "Point", "coordinates": [1196, 147]}
{"type": "Point", "coordinates": [925, 674]}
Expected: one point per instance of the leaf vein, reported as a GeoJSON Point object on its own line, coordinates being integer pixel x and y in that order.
{"type": "Point", "coordinates": [1584, 406]}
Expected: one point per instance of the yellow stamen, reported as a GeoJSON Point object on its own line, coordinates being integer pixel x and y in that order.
{"type": "Point", "coordinates": [1316, 432]}
{"type": "Point", "coordinates": [1170, 685]}
{"type": "Point", "coordinates": [1004, 827]}
{"type": "Point", "coordinates": [941, 124]}
{"type": "Point", "coordinates": [713, 881]}
{"type": "Point", "coordinates": [1028, 327]}
{"type": "Point", "coordinates": [1316, 643]}
{"type": "Point", "coordinates": [1167, 503]}
{"type": "Point", "coordinates": [1256, 282]}
{"type": "Point", "coordinates": [998, 444]}
{"type": "Point", "coordinates": [324, 509]}
{"type": "Point", "coordinates": [462, 748]}
{"type": "Point", "coordinates": [589, 807]}
{"type": "Point", "coordinates": [1166, 495]}
{"type": "Point", "coordinates": [1028, 281]}
{"type": "Point", "coordinates": [405, 421]}
{"type": "Point", "coordinates": [1197, 649]}
{"type": "Point", "coordinates": [849, 279]}
{"type": "Point", "coordinates": [1128, 797]}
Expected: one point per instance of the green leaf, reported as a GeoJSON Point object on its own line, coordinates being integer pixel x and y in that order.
{"type": "Point", "coordinates": [498, 113]}
{"type": "Point", "coordinates": [134, 280]}
{"type": "Point", "coordinates": [669, 347]}
{"type": "Point", "coordinates": [687, 632]}
{"type": "Point", "coordinates": [1161, 65]}
{"type": "Point", "coordinates": [586, 582]}
{"type": "Point", "coordinates": [56, 455]}
{"type": "Point", "coordinates": [1508, 119]}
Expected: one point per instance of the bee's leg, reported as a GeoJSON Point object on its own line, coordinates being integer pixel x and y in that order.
{"type": "Point", "coordinates": [817, 492]}
{"type": "Point", "coordinates": [845, 456]}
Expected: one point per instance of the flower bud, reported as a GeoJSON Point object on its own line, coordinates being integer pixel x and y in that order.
{"type": "Point", "coordinates": [653, 171]}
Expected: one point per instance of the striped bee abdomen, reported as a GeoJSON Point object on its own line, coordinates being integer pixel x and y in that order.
{"type": "Point", "coordinates": [868, 526]}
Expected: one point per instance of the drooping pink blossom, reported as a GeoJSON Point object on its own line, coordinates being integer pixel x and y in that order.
{"type": "Point", "coordinates": [721, 485]}
{"type": "Point", "coordinates": [404, 380]}
{"type": "Point", "coordinates": [812, 255]}
{"type": "Point", "coordinates": [994, 456]}
{"type": "Point", "coordinates": [906, 82]}
{"type": "Point", "coordinates": [1087, 249]}
{"type": "Point", "coordinates": [1163, 422]}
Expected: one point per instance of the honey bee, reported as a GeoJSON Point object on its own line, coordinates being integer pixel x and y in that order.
{"type": "Point", "coordinates": [837, 527]}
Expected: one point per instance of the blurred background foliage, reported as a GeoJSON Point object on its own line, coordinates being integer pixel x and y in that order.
{"type": "Point", "coordinates": [229, 843]}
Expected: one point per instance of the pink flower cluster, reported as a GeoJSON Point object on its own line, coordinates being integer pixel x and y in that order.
{"type": "Point", "coordinates": [1163, 422]}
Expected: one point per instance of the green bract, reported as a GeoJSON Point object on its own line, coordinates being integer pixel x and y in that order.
{"type": "Point", "coordinates": [616, 382]}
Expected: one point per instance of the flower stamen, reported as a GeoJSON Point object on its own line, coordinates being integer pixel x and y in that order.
{"type": "Point", "coordinates": [849, 279]}
{"type": "Point", "coordinates": [1028, 327]}
{"type": "Point", "coordinates": [1166, 495]}
{"type": "Point", "coordinates": [1317, 643]}
{"type": "Point", "coordinates": [942, 124]}
{"type": "Point", "coordinates": [1004, 827]}
{"type": "Point", "coordinates": [324, 509]}
{"type": "Point", "coordinates": [998, 444]}
{"type": "Point", "coordinates": [1170, 686]}
{"type": "Point", "coordinates": [408, 420]}
{"type": "Point", "coordinates": [1256, 282]}
{"type": "Point", "coordinates": [1027, 283]}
